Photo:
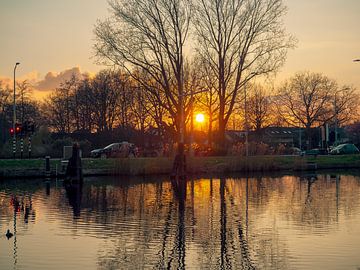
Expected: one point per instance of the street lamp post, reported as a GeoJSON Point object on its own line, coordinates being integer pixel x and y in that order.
{"type": "Point", "coordinates": [336, 119]}
{"type": "Point", "coordinates": [14, 114]}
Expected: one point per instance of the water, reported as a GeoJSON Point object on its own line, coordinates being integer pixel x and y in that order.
{"type": "Point", "coordinates": [287, 222]}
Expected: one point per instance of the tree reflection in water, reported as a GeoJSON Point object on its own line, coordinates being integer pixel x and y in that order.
{"type": "Point", "coordinates": [216, 223]}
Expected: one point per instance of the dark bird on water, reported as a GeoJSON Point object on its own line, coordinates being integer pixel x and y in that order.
{"type": "Point", "coordinates": [9, 234]}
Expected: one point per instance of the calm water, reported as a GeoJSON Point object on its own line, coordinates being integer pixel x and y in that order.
{"type": "Point", "coordinates": [288, 222]}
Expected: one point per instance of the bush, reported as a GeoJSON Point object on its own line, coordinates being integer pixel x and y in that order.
{"type": "Point", "coordinates": [255, 149]}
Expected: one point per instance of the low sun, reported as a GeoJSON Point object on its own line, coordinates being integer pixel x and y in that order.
{"type": "Point", "coordinates": [200, 118]}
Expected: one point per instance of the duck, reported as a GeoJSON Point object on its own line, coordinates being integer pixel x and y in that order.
{"type": "Point", "coordinates": [9, 234]}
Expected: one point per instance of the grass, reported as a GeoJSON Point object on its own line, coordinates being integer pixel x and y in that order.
{"type": "Point", "coordinates": [195, 165]}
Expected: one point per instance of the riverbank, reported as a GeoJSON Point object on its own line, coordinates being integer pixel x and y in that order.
{"type": "Point", "coordinates": [35, 168]}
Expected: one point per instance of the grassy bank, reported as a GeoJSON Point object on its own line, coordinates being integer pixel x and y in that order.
{"type": "Point", "coordinates": [196, 165]}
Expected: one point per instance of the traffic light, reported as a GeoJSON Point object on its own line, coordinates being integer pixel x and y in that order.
{"type": "Point", "coordinates": [18, 128]}
{"type": "Point", "coordinates": [12, 131]}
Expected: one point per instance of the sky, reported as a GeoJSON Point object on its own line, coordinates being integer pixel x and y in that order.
{"type": "Point", "coordinates": [52, 39]}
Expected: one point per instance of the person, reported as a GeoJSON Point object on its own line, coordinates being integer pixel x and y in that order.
{"type": "Point", "coordinates": [74, 168]}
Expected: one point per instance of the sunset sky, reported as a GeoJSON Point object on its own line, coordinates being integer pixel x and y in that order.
{"type": "Point", "coordinates": [52, 39]}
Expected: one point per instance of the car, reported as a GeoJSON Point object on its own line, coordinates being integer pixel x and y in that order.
{"type": "Point", "coordinates": [294, 151]}
{"type": "Point", "coordinates": [96, 153]}
{"type": "Point", "coordinates": [314, 152]}
{"type": "Point", "coordinates": [122, 149]}
{"type": "Point", "coordinates": [345, 149]}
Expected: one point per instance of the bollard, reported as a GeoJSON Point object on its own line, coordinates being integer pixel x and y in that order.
{"type": "Point", "coordinates": [47, 166]}
{"type": "Point", "coordinates": [21, 148]}
{"type": "Point", "coordinates": [14, 147]}
{"type": "Point", "coordinates": [29, 147]}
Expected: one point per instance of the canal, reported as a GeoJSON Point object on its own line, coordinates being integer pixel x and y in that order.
{"type": "Point", "coordinates": [265, 222]}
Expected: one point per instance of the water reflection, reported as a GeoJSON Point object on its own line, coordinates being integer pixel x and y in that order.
{"type": "Point", "coordinates": [307, 221]}
{"type": "Point", "coordinates": [74, 194]}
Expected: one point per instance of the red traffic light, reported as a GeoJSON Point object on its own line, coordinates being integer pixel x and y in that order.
{"type": "Point", "coordinates": [18, 128]}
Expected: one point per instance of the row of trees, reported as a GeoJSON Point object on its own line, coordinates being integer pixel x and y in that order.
{"type": "Point", "coordinates": [113, 99]}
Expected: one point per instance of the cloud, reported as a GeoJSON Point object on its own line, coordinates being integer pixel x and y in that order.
{"type": "Point", "coordinates": [5, 82]}
{"type": "Point", "coordinates": [53, 80]}
{"type": "Point", "coordinates": [32, 77]}
{"type": "Point", "coordinates": [42, 86]}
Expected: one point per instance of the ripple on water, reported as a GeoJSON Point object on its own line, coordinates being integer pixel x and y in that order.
{"type": "Point", "coordinates": [265, 223]}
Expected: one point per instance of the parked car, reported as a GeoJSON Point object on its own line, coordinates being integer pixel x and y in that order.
{"type": "Point", "coordinates": [123, 149]}
{"type": "Point", "coordinates": [96, 153]}
{"type": "Point", "coordinates": [345, 149]}
{"type": "Point", "coordinates": [294, 151]}
{"type": "Point", "coordinates": [314, 152]}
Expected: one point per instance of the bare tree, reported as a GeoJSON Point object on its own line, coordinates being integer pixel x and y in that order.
{"type": "Point", "coordinates": [346, 102]}
{"type": "Point", "coordinates": [62, 106]}
{"type": "Point", "coordinates": [240, 39]}
{"type": "Point", "coordinates": [68, 92]}
{"type": "Point", "coordinates": [5, 94]}
{"type": "Point", "coordinates": [55, 110]}
{"type": "Point", "coordinates": [105, 99]}
{"type": "Point", "coordinates": [149, 35]}
{"type": "Point", "coordinates": [307, 99]}
{"type": "Point", "coordinates": [259, 108]}
{"type": "Point", "coordinates": [85, 115]}
{"type": "Point", "coordinates": [208, 101]}
{"type": "Point", "coordinates": [24, 92]}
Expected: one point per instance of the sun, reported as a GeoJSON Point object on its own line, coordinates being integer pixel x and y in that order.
{"type": "Point", "coordinates": [200, 118]}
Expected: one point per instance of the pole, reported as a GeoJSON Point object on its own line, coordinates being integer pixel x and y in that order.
{"type": "Point", "coordinates": [246, 125]}
{"type": "Point", "coordinates": [336, 121]}
{"type": "Point", "coordinates": [300, 135]}
{"type": "Point", "coordinates": [14, 114]}
{"type": "Point", "coordinates": [22, 124]}
{"type": "Point", "coordinates": [191, 124]}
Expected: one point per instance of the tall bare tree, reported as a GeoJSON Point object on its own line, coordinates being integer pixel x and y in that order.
{"type": "Point", "coordinates": [5, 94]}
{"type": "Point", "coordinates": [346, 104]}
{"type": "Point", "coordinates": [149, 35]}
{"type": "Point", "coordinates": [208, 101]}
{"type": "Point", "coordinates": [240, 39]}
{"type": "Point", "coordinates": [106, 89]}
{"type": "Point", "coordinates": [259, 108]}
{"type": "Point", "coordinates": [24, 91]}
{"type": "Point", "coordinates": [308, 99]}
{"type": "Point", "coordinates": [85, 115]}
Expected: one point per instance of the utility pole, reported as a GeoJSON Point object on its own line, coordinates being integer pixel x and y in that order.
{"type": "Point", "coordinates": [300, 135]}
{"type": "Point", "coordinates": [336, 121]}
{"type": "Point", "coordinates": [14, 114]}
{"type": "Point", "coordinates": [246, 125]}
